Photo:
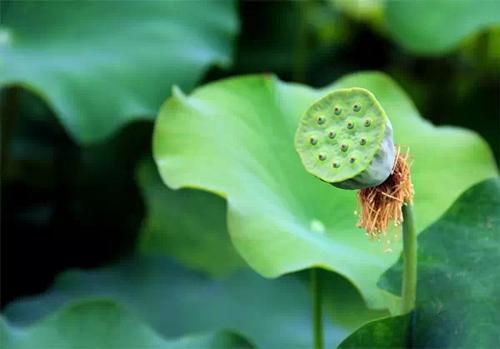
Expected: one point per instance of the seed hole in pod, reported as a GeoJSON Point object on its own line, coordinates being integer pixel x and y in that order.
{"type": "Point", "coordinates": [350, 125]}
{"type": "Point", "coordinates": [362, 141]}
{"type": "Point", "coordinates": [331, 134]}
{"type": "Point", "coordinates": [356, 107]}
{"type": "Point", "coordinates": [313, 140]}
{"type": "Point", "coordinates": [352, 160]}
{"type": "Point", "coordinates": [322, 157]}
{"type": "Point", "coordinates": [321, 120]}
{"type": "Point", "coordinates": [344, 147]}
{"type": "Point", "coordinates": [336, 164]}
{"type": "Point", "coordinates": [368, 122]}
{"type": "Point", "coordinates": [337, 110]}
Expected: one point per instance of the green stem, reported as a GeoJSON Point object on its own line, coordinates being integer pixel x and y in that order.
{"type": "Point", "coordinates": [316, 309]}
{"type": "Point", "coordinates": [409, 287]}
{"type": "Point", "coordinates": [300, 49]}
{"type": "Point", "coordinates": [9, 112]}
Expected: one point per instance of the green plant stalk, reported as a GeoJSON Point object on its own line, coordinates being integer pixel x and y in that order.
{"type": "Point", "coordinates": [317, 314]}
{"type": "Point", "coordinates": [409, 287]}
{"type": "Point", "coordinates": [9, 111]}
{"type": "Point", "coordinates": [299, 67]}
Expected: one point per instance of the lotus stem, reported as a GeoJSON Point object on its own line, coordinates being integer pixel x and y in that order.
{"type": "Point", "coordinates": [409, 286]}
{"type": "Point", "coordinates": [317, 314]}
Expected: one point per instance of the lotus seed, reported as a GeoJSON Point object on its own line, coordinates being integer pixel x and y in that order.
{"type": "Point", "coordinates": [368, 122]}
{"type": "Point", "coordinates": [352, 160]}
{"type": "Point", "coordinates": [356, 107]}
{"type": "Point", "coordinates": [344, 147]}
{"type": "Point", "coordinates": [331, 134]}
{"type": "Point", "coordinates": [322, 157]}
{"type": "Point", "coordinates": [350, 125]}
{"type": "Point", "coordinates": [362, 141]}
{"type": "Point", "coordinates": [336, 165]}
{"type": "Point", "coordinates": [321, 120]}
{"type": "Point", "coordinates": [337, 110]}
{"type": "Point", "coordinates": [314, 141]}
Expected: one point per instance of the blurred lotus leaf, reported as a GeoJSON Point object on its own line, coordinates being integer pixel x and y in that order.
{"type": "Point", "coordinates": [434, 27]}
{"type": "Point", "coordinates": [236, 138]}
{"type": "Point", "coordinates": [101, 64]}
{"type": "Point", "coordinates": [103, 323]}
{"type": "Point", "coordinates": [388, 333]}
{"type": "Point", "coordinates": [175, 301]}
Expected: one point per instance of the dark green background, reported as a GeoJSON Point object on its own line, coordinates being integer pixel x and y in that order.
{"type": "Point", "coordinates": [67, 205]}
{"type": "Point", "coordinates": [64, 205]}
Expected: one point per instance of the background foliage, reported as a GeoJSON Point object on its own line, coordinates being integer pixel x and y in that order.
{"type": "Point", "coordinates": [92, 236]}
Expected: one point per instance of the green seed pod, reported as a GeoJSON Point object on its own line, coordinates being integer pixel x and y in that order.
{"type": "Point", "coordinates": [353, 146]}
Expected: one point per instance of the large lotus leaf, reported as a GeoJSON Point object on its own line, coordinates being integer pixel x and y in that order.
{"type": "Point", "coordinates": [189, 225]}
{"type": "Point", "coordinates": [103, 323]}
{"type": "Point", "coordinates": [100, 64]}
{"type": "Point", "coordinates": [433, 27]}
{"type": "Point", "coordinates": [274, 314]}
{"type": "Point", "coordinates": [236, 138]}
{"type": "Point", "coordinates": [458, 280]}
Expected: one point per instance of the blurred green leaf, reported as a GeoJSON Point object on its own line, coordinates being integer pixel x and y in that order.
{"type": "Point", "coordinates": [368, 10]}
{"type": "Point", "coordinates": [388, 333]}
{"type": "Point", "coordinates": [103, 323]}
{"type": "Point", "coordinates": [458, 279]}
{"type": "Point", "coordinates": [101, 64]}
{"type": "Point", "coordinates": [275, 314]}
{"type": "Point", "coordinates": [189, 225]}
{"type": "Point", "coordinates": [434, 27]}
{"type": "Point", "coordinates": [235, 138]}
{"type": "Point", "coordinates": [343, 303]}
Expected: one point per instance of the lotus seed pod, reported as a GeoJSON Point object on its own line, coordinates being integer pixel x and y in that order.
{"type": "Point", "coordinates": [345, 138]}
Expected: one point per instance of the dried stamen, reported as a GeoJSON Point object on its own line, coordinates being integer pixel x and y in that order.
{"type": "Point", "coordinates": [382, 204]}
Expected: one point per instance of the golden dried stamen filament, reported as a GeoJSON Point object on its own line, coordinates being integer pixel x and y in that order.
{"type": "Point", "coordinates": [382, 204]}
